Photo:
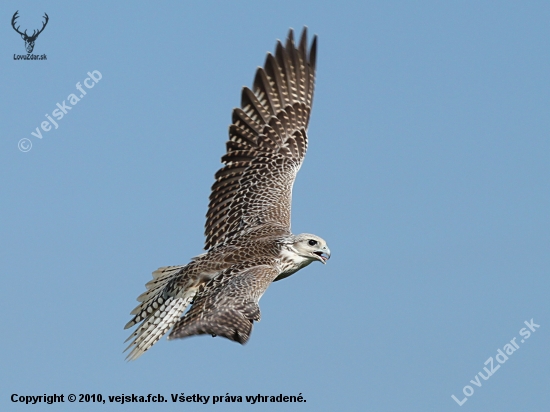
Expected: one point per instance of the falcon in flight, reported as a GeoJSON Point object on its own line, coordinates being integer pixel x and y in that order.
{"type": "Point", "coordinates": [248, 239]}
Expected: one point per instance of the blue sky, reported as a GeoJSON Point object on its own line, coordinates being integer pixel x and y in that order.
{"type": "Point", "coordinates": [427, 173]}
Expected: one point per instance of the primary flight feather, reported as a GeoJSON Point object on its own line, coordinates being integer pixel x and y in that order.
{"type": "Point", "coordinates": [248, 239]}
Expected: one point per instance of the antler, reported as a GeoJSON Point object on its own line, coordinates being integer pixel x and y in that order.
{"type": "Point", "coordinates": [34, 33]}
{"type": "Point", "coordinates": [15, 16]}
{"type": "Point", "coordinates": [43, 26]}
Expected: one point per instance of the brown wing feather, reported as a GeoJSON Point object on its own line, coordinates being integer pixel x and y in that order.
{"type": "Point", "coordinates": [267, 144]}
{"type": "Point", "coordinates": [228, 304]}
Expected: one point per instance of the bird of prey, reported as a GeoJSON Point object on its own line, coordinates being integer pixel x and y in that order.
{"type": "Point", "coordinates": [248, 239]}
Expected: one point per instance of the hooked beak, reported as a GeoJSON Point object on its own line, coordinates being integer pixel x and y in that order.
{"type": "Point", "coordinates": [323, 254]}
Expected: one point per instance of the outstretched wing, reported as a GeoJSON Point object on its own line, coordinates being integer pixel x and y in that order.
{"type": "Point", "coordinates": [267, 144]}
{"type": "Point", "coordinates": [228, 304]}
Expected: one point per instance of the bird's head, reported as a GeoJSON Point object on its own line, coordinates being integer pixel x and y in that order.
{"type": "Point", "coordinates": [311, 247]}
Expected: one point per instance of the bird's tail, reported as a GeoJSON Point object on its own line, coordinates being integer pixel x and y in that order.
{"type": "Point", "coordinates": [158, 311]}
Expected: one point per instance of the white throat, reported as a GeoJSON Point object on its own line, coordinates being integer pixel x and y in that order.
{"type": "Point", "coordinates": [292, 261]}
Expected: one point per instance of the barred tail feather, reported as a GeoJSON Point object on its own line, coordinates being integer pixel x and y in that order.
{"type": "Point", "coordinates": [158, 311]}
{"type": "Point", "coordinates": [156, 325]}
{"type": "Point", "coordinates": [149, 299]}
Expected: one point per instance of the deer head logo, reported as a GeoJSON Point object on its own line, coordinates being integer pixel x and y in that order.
{"type": "Point", "coordinates": [29, 40]}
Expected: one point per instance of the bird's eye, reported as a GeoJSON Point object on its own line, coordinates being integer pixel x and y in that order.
{"type": "Point", "coordinates": [312, 242]}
